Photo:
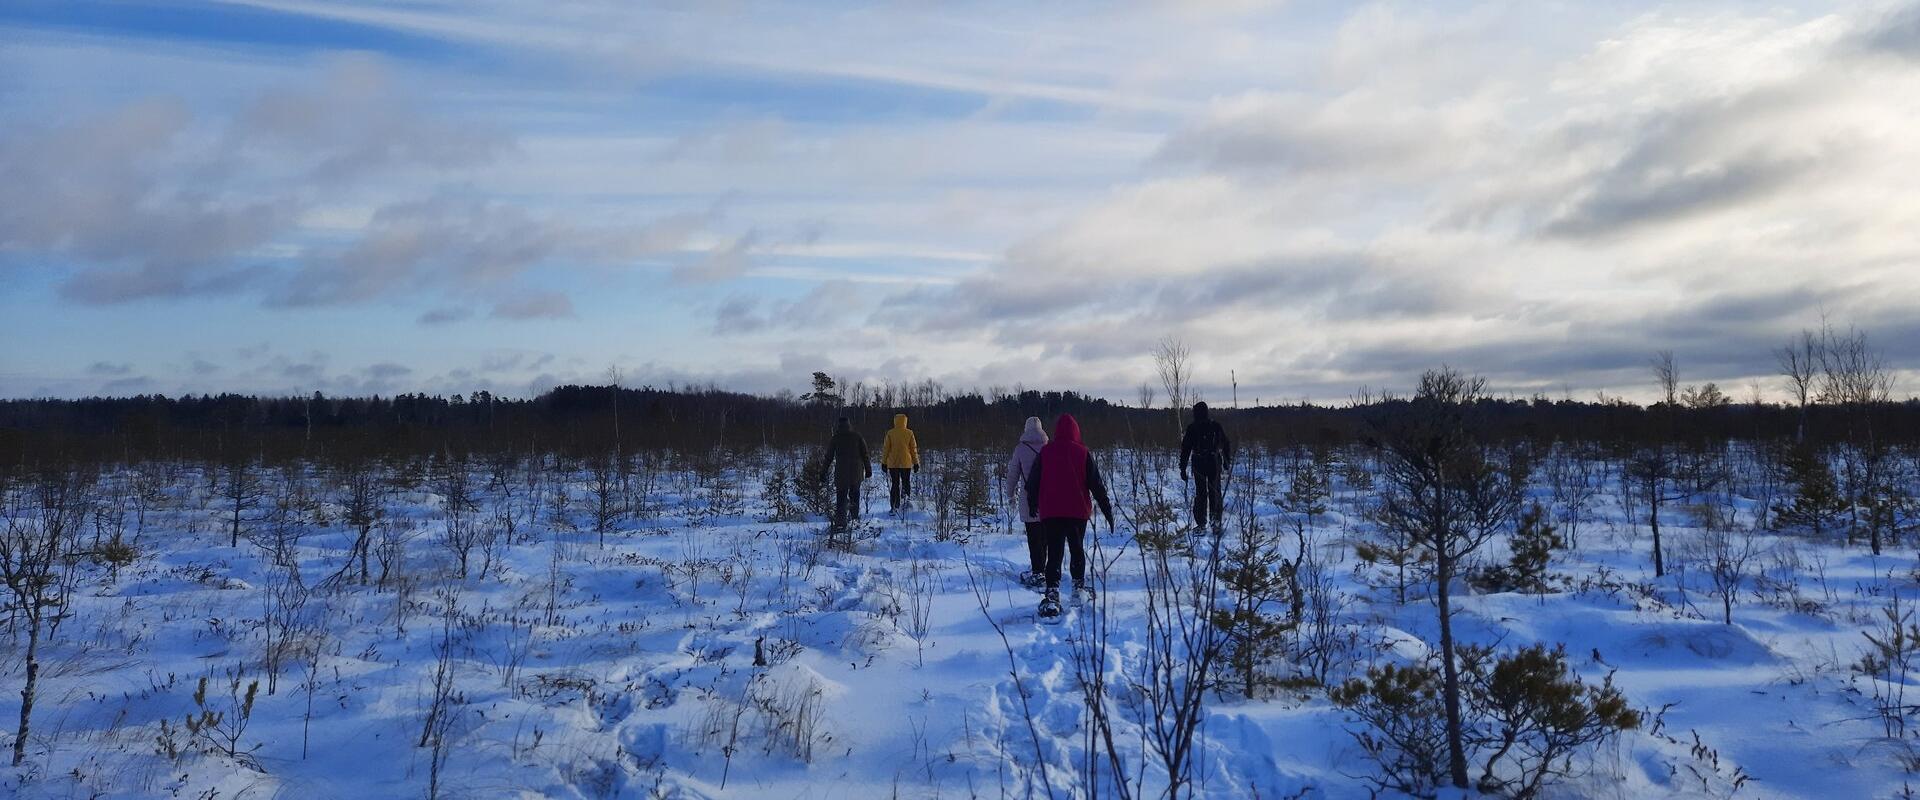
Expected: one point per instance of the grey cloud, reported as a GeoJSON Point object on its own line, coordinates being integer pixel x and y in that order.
{"type": "Point", "coordinates": [442, 241]}
{"type": "Point", "coordinates": [1301, 136]}
{"type": "Point", "coordinates": [147, 205]}
{"type": "Point", "coordinates": [463, 246]}
{"type": "Point", "coordinates": [355, 121]}
{"type": "Point", "coordinates": [534, 305]}
{"type": "Point", "coordinates": [1637, 195]}
{"type": "Point", "coordinates": [103, 368]}
{"type": "Point", "coordinates": [442, 316]}
{"type": "Point", "coordinates": [995, 297]}
{"type": "Point", "coordinates": [388, 371]}
{"type": "Point", "coordinates": [1700, 157]}
{"type": "Point", "coordinates": [104, 192]}
{"type": "Point", "coordinates": [821, 307]}
{"type": "Point", "coordinates": [738, 315]}
{"type": "Point", "coordinates": [1895, 33]}
{"type": "Point", "coordinates": [1341, 286]}
{"type": "Point", "coordinates": [1714, 338]}
{"type": "Point", "coordinates": [500, 362]}
{"type": "Point", "coordinates": [1756, 313]}
{"type": "Point", "coordinates": [722, 263]}
{"type": "Point", "coordinates": [311, 369]}
{"type": "Point", "coordinates": [125, 386]}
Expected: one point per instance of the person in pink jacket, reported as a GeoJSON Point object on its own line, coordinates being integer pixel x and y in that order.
{"type": "Point", "coordinates": [1018, 467]}
{"type": "Point", "coordinates": [1061, 490]}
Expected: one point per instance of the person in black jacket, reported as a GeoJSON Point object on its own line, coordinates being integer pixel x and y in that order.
{"type": "Point", "coordinates": [1206, 448]}
{"type": "Point", "coordinates": [847, 459]}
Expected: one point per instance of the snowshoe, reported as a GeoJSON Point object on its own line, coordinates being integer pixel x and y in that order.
{"type": "Point", "coordinates": [1082, 593]}
{"type": "Point", "coordinates": [1050, 609]}
{"type": "Point", "coordinates": [1033, 580]}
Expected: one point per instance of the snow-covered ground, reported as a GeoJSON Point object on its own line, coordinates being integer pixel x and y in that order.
{"type": "Point", "coordinates": [628, 669]}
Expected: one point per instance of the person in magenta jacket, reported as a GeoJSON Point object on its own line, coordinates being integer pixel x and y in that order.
{"type": "Point", "coordinates": [1062, 488]}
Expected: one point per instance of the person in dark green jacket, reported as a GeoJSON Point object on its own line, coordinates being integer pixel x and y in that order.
{"type": "Point", "coordinates": [849, 464]}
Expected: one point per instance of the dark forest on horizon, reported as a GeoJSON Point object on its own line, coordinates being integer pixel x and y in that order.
{"type": "Point", "coordinates": [589, 420]}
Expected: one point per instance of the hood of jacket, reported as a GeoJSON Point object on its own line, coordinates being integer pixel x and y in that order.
{"type": "Point", "coordinates": [900, 422]}
{"type": "Point", "coordinates": [1035, 433]}
{"type": "Point", "coordinates": [843, 425]}
{"type": "Point", "coordinates": [1200, 413]}
{"type": "Point", "coordinates": [1067, 429]}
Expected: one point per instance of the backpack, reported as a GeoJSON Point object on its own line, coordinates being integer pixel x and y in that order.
{"type": "Point", "coordinates": [1206, 443]}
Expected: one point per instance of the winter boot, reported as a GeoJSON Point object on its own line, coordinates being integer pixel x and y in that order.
{"type": "Point", "coordinates": [1033, 580]}
{"type": "Point", "coordinates": [1082, 592]}
{"type": "Point", "coordinates": [1050, 606]}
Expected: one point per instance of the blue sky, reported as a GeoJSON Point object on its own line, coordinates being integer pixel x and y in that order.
{"type": "Point", "coordinates": [355, 197]}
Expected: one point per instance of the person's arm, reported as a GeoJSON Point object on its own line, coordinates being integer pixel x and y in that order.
{"type": "Point", "coordinates": [1226, 447]}
{"type": "Point", "coordinates": [1186, 450]}
{"type": "Point", "coordinates": [1033, 489]}
{"type": "Point", "coordinates": [913, 448]}
{"type": "Point", "coordinates": [826, 466]}
{"type": "Point", "coordinates": [1099, 489]}
{"type": "Point", "coordinates": [866, 460]}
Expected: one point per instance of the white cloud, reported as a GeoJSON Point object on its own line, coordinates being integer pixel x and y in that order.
{"type": "Point", "coordinates": [1031, 194]}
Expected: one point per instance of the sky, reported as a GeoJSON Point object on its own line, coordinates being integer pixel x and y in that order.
{"type": "Point", "coordinates": [288, 196]}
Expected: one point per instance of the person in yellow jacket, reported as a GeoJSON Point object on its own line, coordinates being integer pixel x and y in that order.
{"type": "Point", "coordinates": [900, 455]}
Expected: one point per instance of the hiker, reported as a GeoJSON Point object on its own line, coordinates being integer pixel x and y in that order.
{"type": "Point", "coordinates": [847, 460]}
{"type": "Point", "coordinates": [1059, 486]}
{"type": "Point", "coordinates": [900, 455]}
{"type": "Point", "coordinates": [1018, 466]}
{"type": "Point", "coordinates": [1205, 445]}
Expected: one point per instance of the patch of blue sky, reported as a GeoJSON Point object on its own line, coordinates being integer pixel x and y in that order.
{"type": "Point", "coordinates": [220, 23]}
{"type": "Point", "coordinates": [810, 99]}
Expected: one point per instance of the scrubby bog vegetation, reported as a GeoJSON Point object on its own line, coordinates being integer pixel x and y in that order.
{"type": "Point", "coordinates": [611, 592]}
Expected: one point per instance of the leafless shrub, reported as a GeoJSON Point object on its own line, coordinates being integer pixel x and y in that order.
{"type": "Point", "coordinates": [283, 622]}
{"type": "Point", "coordinates": [41, 529]}
{"type": "Point", "coordinates": [1168, 683]}
{"type": "Point", "coordinates": [443, 697]}
{"type": "Point", "coordinates": [1724, 554]}
{"type": "Point", "coordinates": [1889, 665]}
{"type": "Point", "coordinates": [921, 586]}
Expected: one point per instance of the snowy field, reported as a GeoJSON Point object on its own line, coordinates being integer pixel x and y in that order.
{"type": "Point", "coordinates": [696, 650]}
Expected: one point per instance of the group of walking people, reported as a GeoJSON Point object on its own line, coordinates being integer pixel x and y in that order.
{"type": "Point", "coordinates": [1052, 482]}
{"type": "Point", "coordinates": [848, 463]}
{"type": "Point", "coordinates": [1055, 484]}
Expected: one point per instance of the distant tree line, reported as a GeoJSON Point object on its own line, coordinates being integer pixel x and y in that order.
{"type": "Point", "coordinates": [583, 420]}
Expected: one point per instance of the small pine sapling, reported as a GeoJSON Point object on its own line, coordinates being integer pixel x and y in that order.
{"type": "Point", "coordinates": [1532, 547]}
{"type": "Point", "coordinates": [1403, 725]}
{"type": "Point", "coordinates": [1255, 631]}
{"type": "Point", "coordinates": [1817, 503]}
{"type": "Point", "coordinates": [1536, 715]}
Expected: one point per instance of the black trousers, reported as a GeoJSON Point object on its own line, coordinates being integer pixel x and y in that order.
{"type": "Point", "coordinates": [846, 502]}
{"type": "Point", "coordinates": [1036, 548]}
{"type": "Point", "coordinates": [1207, 498]}
{"type": "Point", "coordinates": [902, 485]}
{"type": "Point", "coordinates": [1064, 535]}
